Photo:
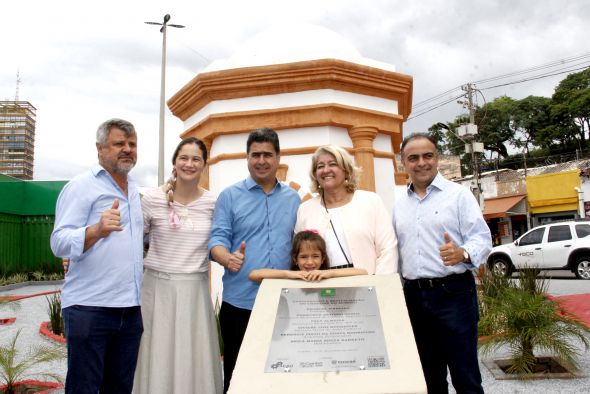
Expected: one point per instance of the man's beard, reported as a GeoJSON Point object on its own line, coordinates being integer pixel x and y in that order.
{"type": "Point", "coordinates": [117, 167]}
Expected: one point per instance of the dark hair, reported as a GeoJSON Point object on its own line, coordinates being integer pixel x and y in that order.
{"type": "Point", "coordinates": [264, 134]}
{"type": "Point", "coordinates": [314, 238]}
{"type": "Point", "coordinates": [416, 136]}
{"type": "Point", "coordinates": [187, 141]}
{"type": "Point", "coordinates": [104, 129]}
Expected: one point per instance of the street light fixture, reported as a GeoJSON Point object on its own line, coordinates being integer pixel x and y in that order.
{"type": "Point", "coordinates": [162, 94]}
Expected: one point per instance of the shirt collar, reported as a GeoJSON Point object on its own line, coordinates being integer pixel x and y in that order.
{"type": "Point", "coordinates": [438, 182]}
{"type": "Point", "coordinates": [97, 169]}
{"type": "Point", "coordinates": [251, 183]}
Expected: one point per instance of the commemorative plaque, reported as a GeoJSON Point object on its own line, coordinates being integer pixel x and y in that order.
{"type": "Point", "coordinates": [327, 329]}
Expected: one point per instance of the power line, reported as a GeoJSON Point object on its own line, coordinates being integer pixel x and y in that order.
{"type": "Point", "coordinates": [435, 106]}
{"type": "Point", "coordinates": [534, 78]}
{"type": "Point", "coordinates": [434, 102]}
{"type": "Point", "coordinates": [535, 68]}
{"type": "Point", "coordinates": [424, 102]}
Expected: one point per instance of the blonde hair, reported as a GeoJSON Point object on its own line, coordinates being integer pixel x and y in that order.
{"type": "Point", "coordinates": [344, 161]}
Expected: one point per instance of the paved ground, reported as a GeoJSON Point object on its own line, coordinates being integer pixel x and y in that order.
{"type": "Point", "coordinates": [33, 311]}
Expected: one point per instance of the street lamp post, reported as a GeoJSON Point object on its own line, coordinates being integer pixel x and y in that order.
{"type": "Point", "coordinates": [162, 95]}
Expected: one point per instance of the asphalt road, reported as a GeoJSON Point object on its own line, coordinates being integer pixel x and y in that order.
{"type": "Point", "coordinates": [563, 282]}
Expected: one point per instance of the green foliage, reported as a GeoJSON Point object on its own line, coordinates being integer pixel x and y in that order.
{"type": "Point", "coordinates": [490, 287]}
{"type": "Point", "coordinates": [56, 321]}
{"type": "Point", "coordinates": [529, 116]}
{"type": "Point", "coordinates": [561, 122]}
{"type": "Point", "coordinates": [16, 278]}
{"type": "Point", "coordinates": [14, 367]}
{"type": "Point", "coordinates": [32, 276]}
{"type": "Point", "coordinates": [494, 122]}
{"type": "Point", "coordinates": [521, 316]}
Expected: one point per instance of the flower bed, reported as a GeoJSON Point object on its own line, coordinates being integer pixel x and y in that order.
{"type": "Point", "coordinates": [34, 386]}
{"type": "Point", "coordinates": [46, 332]}
{"type": "Point", "coordinates": [7, 321]}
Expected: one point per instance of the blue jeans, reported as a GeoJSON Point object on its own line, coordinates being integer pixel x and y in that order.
{"type": "Point", "coordinates": [103, 344]}
{"type": "Point", "coordinates": [444, 319]}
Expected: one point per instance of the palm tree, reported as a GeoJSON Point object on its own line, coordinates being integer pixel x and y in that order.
{"type": "Point", "coordinates": [524, 318]}
{"type": "Point", "coordinates": [14, 368]}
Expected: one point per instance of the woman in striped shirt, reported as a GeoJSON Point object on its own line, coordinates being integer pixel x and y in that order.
{"type": "Point", "coordinates": [179, 350]}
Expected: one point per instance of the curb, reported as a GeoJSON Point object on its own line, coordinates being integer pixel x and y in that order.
{"type": "Point", "coordinates": [50, 386]}
{"type": "Point", "coordinates": [14, 286]}
{"type": "Point", "coordinates": [7, 321]}
{"type": "Point", "coordinates": [44, 331]}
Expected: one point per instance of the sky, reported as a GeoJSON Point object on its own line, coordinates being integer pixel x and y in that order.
{"type": "Point", "coordinates": [81, 63]}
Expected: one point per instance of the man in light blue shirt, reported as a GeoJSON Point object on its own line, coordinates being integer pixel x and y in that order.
{"type": "Point", "coordinates": [99, 228]}
{"type": "Point", "coordinates": [442, 236]}
{"type": "Point", "coordinates": [252, 229]}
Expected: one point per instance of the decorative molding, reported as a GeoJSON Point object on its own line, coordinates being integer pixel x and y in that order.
{"type": "Point", "coordinates": [288, 152]}
{"type": "Point", "coordinates": [294, 117]}
{"type": "Point", "coordinates": [289, 78]}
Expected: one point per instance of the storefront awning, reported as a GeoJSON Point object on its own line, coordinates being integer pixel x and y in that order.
{"type": "Point", "coordinates": [498, 207]}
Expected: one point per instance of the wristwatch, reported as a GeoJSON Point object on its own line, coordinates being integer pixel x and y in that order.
{"type": "Point", "coordinates": [466, 258]}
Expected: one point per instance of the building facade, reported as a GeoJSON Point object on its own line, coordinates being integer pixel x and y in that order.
{"type": "Point", "coordinates": [17, 139]}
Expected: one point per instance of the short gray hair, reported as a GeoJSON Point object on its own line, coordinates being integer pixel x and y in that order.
{"type": "Point", "coordinates": [105, 128]}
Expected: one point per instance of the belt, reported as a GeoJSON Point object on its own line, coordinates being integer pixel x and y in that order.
{"type": "Point", "coordinates": [342, 266]}
{"type": "Point", "coordinates": [431, 283]}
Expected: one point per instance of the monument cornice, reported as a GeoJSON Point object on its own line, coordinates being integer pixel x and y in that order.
{"type": "Point", "coordinates": [295, 117]}
{"type": "Point", "coordinates": [290, 78]}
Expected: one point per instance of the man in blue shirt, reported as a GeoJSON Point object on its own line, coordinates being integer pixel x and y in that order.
{"type": "Point", "coordinates": [99, 228]}
{"type": "Point", "coordinates": [442, 236]}
{"type": "Point", "coordinates": [252, 229]}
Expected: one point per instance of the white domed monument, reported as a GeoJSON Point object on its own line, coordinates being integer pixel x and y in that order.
{"type": "Point", "coordinates": [314, 88]}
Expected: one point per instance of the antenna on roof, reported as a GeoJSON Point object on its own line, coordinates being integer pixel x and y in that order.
{"type": "Point", "coordinates": [17, 85]}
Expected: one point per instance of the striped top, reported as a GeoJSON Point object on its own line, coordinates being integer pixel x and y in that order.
{"type": "Point", "coordinates": [181, 249]}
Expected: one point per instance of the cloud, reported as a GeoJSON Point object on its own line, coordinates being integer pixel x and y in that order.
{"type": "Point", "coordinates": [81, 63]}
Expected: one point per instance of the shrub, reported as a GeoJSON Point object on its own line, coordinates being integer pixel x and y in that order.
{"type": "Point", "coordinates": [56, 321]}
{"type": "Point", "coordinates": [521, 316]}
{"type": "Point", "coordinates": [14, 368]}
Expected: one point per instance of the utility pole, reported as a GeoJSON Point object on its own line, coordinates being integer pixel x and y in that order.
{"type": "Point", "coordinates": [468, 133]}
{"type": "Point", "coordinates": [163, 29]}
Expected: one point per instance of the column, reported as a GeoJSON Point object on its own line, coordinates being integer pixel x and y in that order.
{"type": "Point", "coordinates": [364, 154]}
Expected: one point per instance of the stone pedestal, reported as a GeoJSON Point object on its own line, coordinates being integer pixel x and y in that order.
{"type": "Point", "coordinates": [404, 374]}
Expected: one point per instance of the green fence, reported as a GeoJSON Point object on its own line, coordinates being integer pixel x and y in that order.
{"type": "Point", "coordinates": [24, 244]}
{"type": "Point", "coordinates": [27, 213]}
{"type": "Point", "coordinates": [10, 243]}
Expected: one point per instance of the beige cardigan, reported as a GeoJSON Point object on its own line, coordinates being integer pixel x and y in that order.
{"type": "Point", "coordinates": [367, 227]}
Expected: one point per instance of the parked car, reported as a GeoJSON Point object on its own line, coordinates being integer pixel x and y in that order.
{"type": "Point", "coordinates": [555, 246]}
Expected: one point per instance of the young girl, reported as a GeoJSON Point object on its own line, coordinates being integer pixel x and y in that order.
{"type": "Point", "coordinates": [309, 262]}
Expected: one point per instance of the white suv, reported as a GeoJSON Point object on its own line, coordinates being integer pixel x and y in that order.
{"type": "Point", "coordinates": [562, 245]}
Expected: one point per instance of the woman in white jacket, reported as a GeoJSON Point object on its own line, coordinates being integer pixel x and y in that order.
{"type": "Point", "coordinates": [355, 223]}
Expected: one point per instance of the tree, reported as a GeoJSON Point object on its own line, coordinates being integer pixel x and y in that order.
{"type": "Point", "coordinates": [571, 105]}
{"type": "Point", "coordinates": [529, 116]}
{"type": "Point", "coordinates": [520, 315]}
{"type": "Point", "coordinates": [14, 368]}
{"type": "Point", "coordinates": [494, 124]}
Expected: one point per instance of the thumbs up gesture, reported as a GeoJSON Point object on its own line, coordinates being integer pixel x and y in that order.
{"type": "Point", "coordinates": [110, 220]}
{"type": "Point", "coordinates": [450, 253]}
{"type": "Point", "coordinates": [236, 259]}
